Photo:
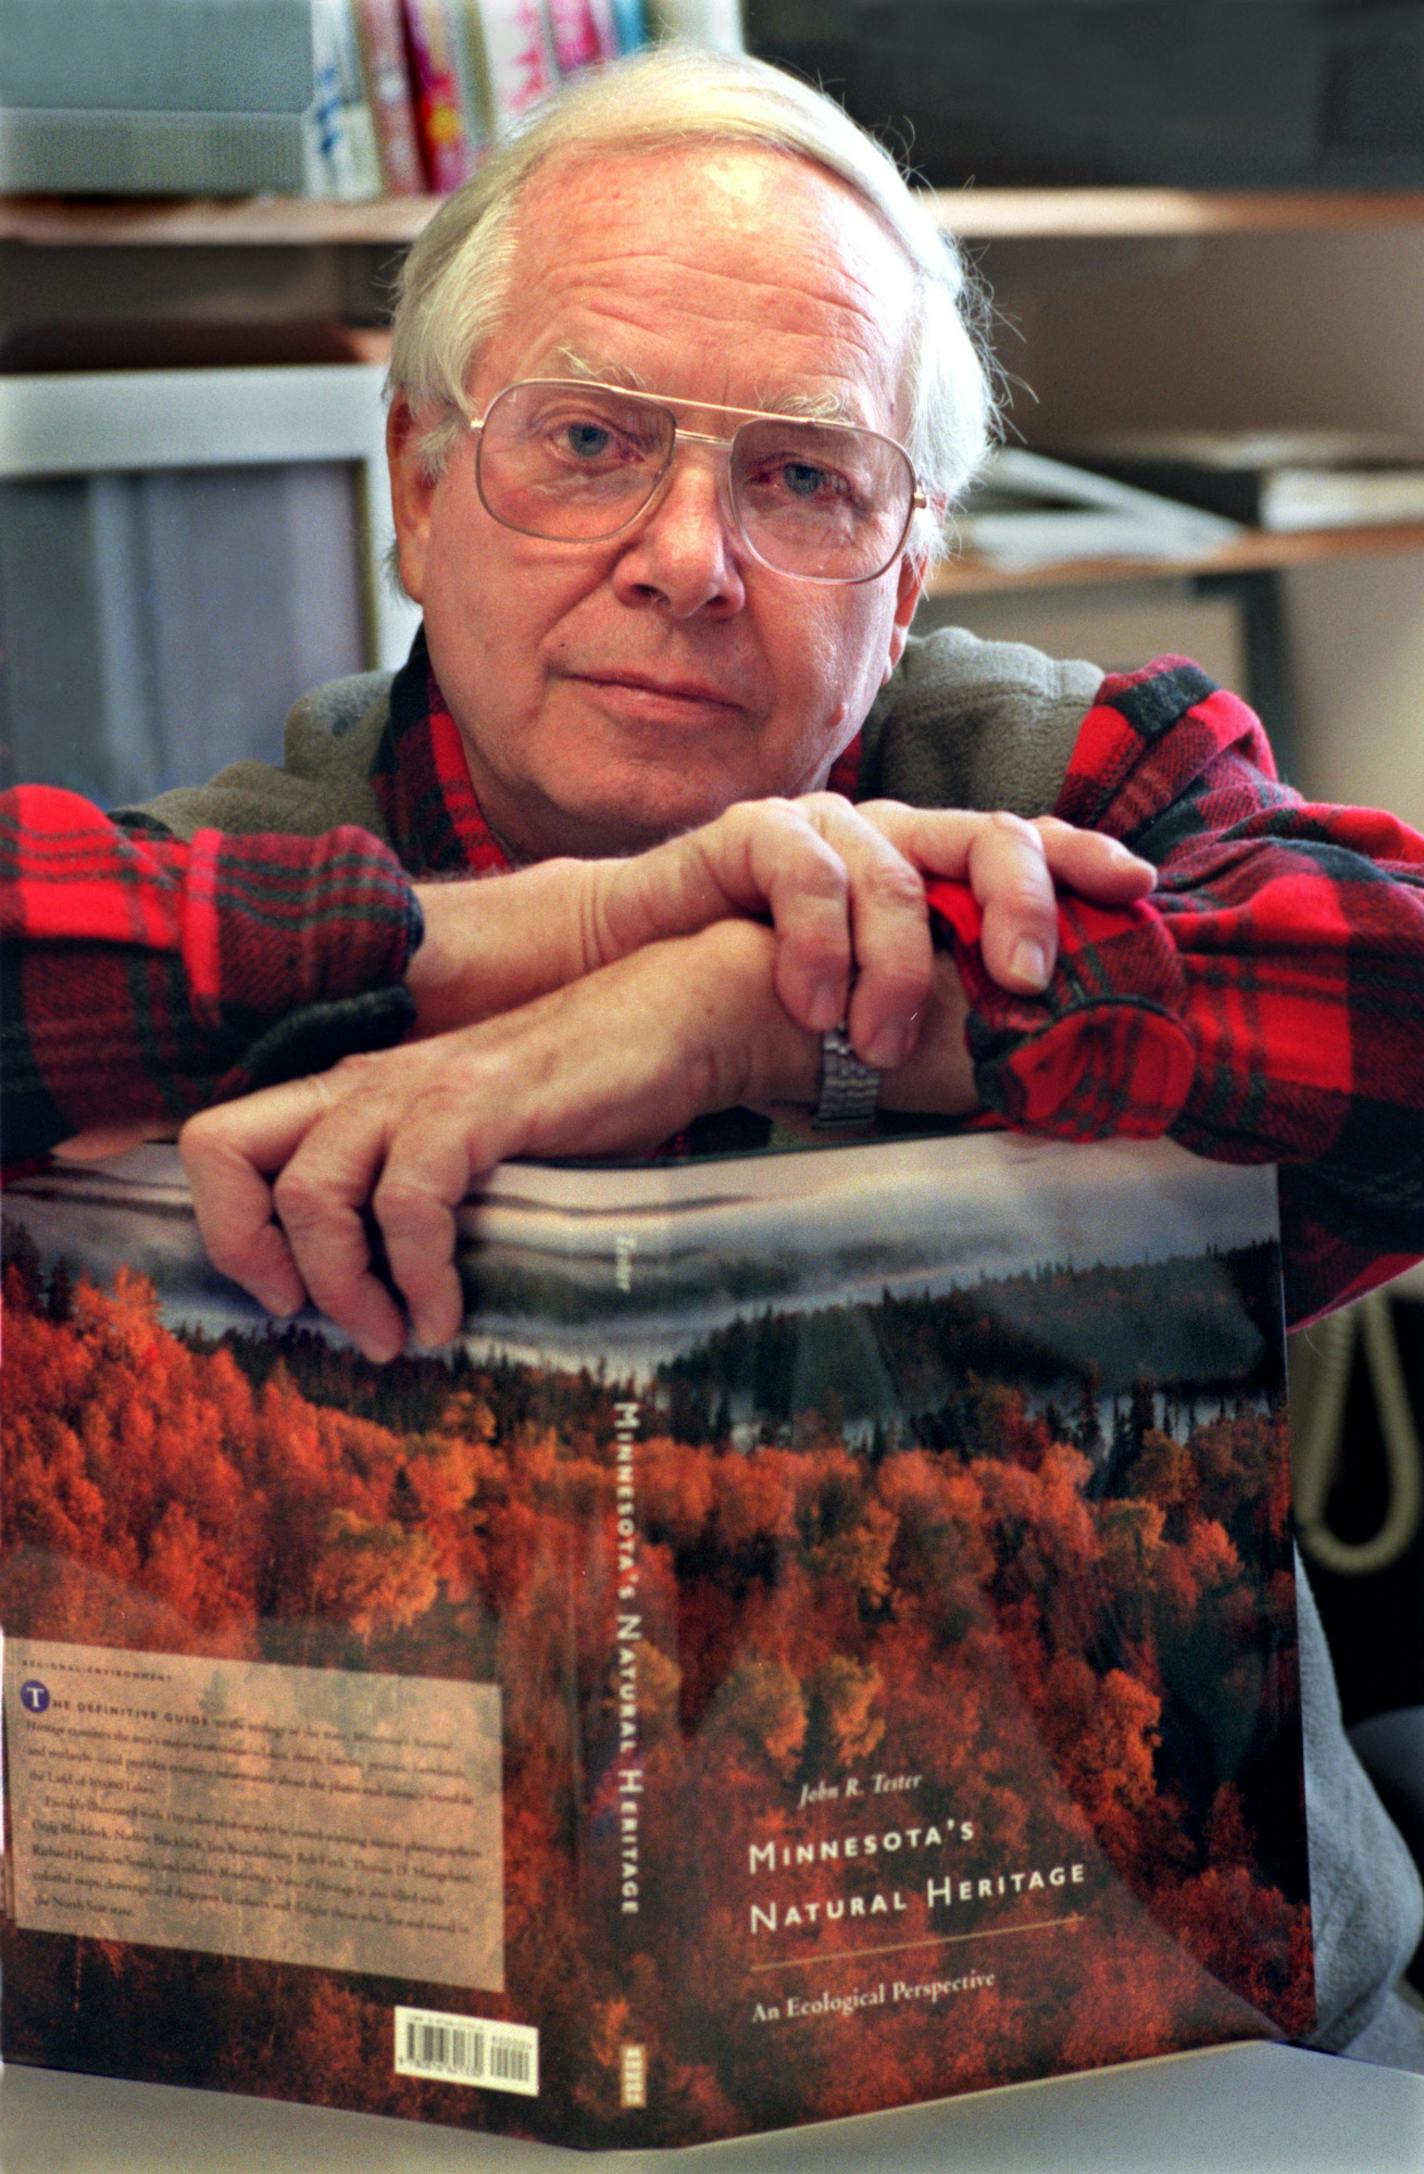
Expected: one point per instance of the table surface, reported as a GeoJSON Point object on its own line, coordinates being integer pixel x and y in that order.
{"type": "Point", "coordinates": [1237, 2110]}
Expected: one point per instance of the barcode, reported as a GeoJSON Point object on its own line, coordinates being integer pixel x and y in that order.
{"type": "Point", "coordinates": [467, 2049]}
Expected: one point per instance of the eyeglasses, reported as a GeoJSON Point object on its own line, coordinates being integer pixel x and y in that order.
{"type": "Point", "coordinates": [574, 462]}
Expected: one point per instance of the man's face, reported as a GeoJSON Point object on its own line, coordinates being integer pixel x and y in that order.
{"type": "Point", "coordinates": [610, 693]}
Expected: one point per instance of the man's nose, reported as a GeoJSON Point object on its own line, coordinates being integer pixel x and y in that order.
{"type": "Point", "coordinates": [685, 553]}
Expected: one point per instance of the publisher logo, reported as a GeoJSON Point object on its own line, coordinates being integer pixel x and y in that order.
{"type": "Point", "coordinates": [34, 1697]}
{"type": "Point", "coordinates": [633, 2076]}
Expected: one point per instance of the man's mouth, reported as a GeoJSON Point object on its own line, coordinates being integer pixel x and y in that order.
{"type": "Point", "coordinates": [650, 695]}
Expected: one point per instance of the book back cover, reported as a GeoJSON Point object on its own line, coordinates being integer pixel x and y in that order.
{"type": "Point", "coordinates": [822, 1639]}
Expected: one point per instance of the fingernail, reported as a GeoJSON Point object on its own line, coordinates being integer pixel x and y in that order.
{"type": "Point", "coordinates": [889, 1046]}
{"type": "Point", "coordinates": [827, 1003]}
{"type": "Point", "coordinates": [1030, 962]}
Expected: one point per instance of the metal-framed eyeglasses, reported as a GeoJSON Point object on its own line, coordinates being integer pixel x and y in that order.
{"type": "Point", "coordinates": [577, 462]}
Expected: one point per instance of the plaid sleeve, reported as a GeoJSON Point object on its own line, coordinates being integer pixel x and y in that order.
{"type": "Point", "coordinates": [1265, 1005]}
{"type": "Point", "coordinates": [145, 977]}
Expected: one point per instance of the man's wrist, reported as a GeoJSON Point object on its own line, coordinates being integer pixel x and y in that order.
{"type": "Point", "coordinates": [937, 1078]}
{"type": "Point", "coordinates": [761, 1055]}
{"type": "Point", "coordinates": [778, 1064]}
{"type": "Point", "coordinates": [493, 943]}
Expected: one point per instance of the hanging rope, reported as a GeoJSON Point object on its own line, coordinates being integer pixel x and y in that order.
{"type": "Point", "coordinates": [1320, 1441]}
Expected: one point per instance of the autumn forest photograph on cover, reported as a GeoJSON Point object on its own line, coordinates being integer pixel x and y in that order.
{"type": "Point", "coordinates": [883, 1557]}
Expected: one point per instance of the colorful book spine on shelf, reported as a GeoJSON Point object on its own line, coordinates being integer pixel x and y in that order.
{"type": "Point", "coordinates": [699, 22]}
{"type": "Point", "coordinates": [821, 1638]}
{"type": "Point", "coordinates": [449, 141]}
{"type": "Point", "coordinates": [584, 34]}
{"type": "Point", "coordinates": [381, 30]}
{"type": "Point", "coordinates": [342, 156]}
{"type": "Point", "coordinates": [630, 24]}
{"type": "Point", "coordinates": [519, 63]}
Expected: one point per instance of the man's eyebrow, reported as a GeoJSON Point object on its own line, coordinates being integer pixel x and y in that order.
{"type": "Point", "coordinates": [601, 373]}
{"type": "Point", "coordinates": [822, 407]}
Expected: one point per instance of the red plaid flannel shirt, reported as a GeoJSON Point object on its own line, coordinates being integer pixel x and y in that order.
{"type": "Point", "coordinates": [1263, 1005]}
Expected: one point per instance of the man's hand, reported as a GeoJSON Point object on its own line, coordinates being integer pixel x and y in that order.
{"type": "Point", "coordinates": [617, 1061]}
{"type": "Point", "coordinates": [841, 885]}
{"type": "Point", "coordinates": [613, 1064]}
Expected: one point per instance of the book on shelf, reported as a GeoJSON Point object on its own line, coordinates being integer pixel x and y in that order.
{"type": "Point", "coordinates": [1274, 479]}
{"type": "Point", "coordinates": [1029, 510]}
{"type": "Point", "coordinates": [380, 28]}
{"type": "Point", "coordinates": [518, 61]}
{"type": "Point", "coordinates": [584, 34]}
{"type": "Point", "coordinates": [450, 131]}
{"type": "Point", "coordinates": [630, 23]}
{"type": "Point", "coordinates": [342, 157]}
{"type": "Point", "coordinates": [821, 1639]}
{"type": "Point", "coordinates": [717, 23]}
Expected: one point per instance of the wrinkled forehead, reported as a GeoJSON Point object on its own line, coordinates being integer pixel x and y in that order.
{"type": "Point", "coordinates": [724, 271]}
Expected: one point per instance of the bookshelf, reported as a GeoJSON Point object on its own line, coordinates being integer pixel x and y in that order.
{"type": "Point", "coordinates": [972, 214]}
{"type": "Point", "coordinates": [1258, 551]}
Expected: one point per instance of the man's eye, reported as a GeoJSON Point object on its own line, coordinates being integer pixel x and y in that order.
{"type": "Point", "coordinates": [586, 441]}
{"type": "Point", "coordinates": [789, 480]}
{"type": "Point", "coordinates": [804, 480]}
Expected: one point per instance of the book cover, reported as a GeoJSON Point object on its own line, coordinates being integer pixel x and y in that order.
{"type": "Point", "coordinates": [823, 1638]}
{"type": "Point", "coordinates": [1280, 480]}
{"type": "Point", "coordinates": [391, 95]}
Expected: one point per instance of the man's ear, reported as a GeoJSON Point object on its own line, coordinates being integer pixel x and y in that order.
{"type": "Point", "coordinates": [412, 493]}
{"type": "Point", "coordinates": [909, 588]}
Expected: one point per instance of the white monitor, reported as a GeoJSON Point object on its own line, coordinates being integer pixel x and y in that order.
{"type": "Point", "coordinates": [182, 553]}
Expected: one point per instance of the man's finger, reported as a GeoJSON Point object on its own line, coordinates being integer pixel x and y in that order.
{"type": "Point", "coordinates": [889, 930]}
{"type": "Point", "coordinates": [319, 1199]}
{"type": "Point", "coordinates": [1011, 879]}
{"type": "Point", "coordinates": [428, 1173]}
{"type": "Point", "coordinates": [225, 1152]}
{"type": "Point", "coordinates": [1094, 865]}
{"type": "Point", "coordinates": [1016, 869]}
{"type": "Point", "coordinates": [798, 870]}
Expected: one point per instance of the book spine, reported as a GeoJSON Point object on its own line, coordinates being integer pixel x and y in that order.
{"type": "Point", "coordinates": [342, 159]}
{"type": "Point", "coordinates": [448, 153]}
{"type": "Point", "coordinates": [630, 24]}
{"type": "Point", "coordinates": [717, 23]}
{"type": "Point", "coordinates": [583, 34]}
{"type": "Point", "coordinates": [519, 56]}
{"type": "Point", "coordinates": [390, 95]}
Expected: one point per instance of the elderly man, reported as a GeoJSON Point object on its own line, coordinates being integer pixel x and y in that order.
{"type": "Point", "coordinates": [682, 391]}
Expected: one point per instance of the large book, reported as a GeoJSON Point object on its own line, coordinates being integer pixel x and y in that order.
{"type": "Point", "coordinates": [1274, 479]}
{"type": "Point", "coordinates": [822, 1639]}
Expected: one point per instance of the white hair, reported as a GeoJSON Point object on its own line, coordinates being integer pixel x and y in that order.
{"type": "Point", "coordinates": [455, 283]}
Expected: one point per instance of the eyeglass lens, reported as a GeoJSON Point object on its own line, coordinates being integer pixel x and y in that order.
{"type": "Point", "coordinates": [576, 463]}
